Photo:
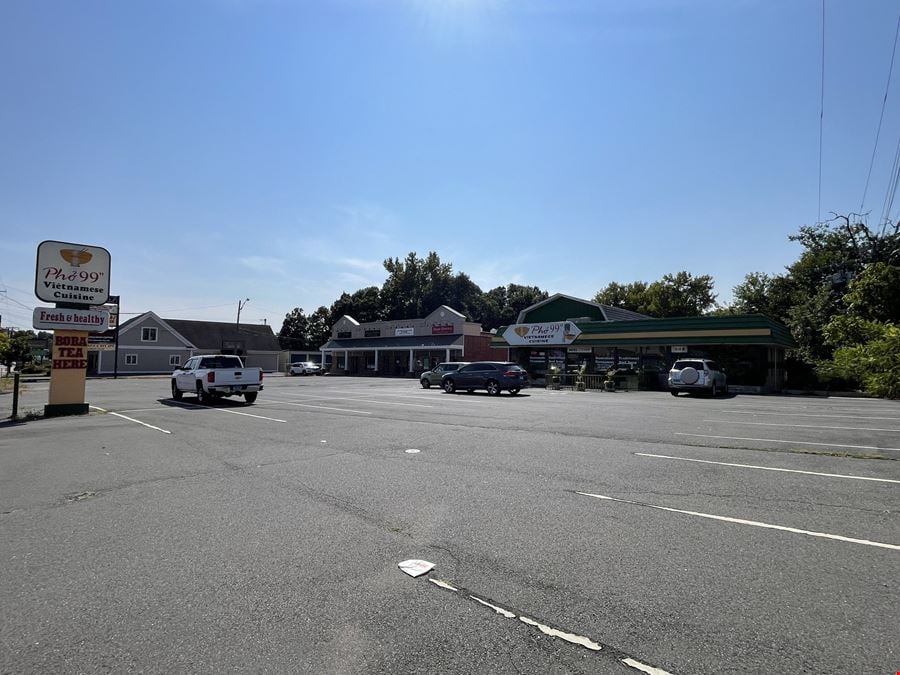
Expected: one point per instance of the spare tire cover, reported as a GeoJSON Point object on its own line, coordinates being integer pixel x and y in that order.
{"type": "Point", "coordinates": [689, 375]}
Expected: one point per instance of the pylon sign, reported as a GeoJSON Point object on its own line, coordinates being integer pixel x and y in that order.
{"type": "Point", "coordinates": [72, 274]}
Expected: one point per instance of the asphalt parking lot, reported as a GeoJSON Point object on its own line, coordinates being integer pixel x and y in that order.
{"type": "Point", "coordinates": [570, 532]}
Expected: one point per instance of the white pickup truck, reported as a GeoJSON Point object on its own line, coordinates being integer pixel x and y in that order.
{"type": "Point", "coordinates": [215, 375]}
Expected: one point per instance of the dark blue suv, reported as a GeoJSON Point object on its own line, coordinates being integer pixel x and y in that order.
{"type": "Point", "coordinates": [494, 376]}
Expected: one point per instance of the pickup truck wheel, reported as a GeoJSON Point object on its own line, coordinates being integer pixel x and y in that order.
{"type": "Point", "coordinates": [202, 396]}
{"type": "Point", "coordinates": [250, 397]}
{"type": "Point", "coordinates": [176, 394]}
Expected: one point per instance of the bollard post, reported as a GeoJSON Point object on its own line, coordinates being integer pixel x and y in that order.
{"type": "Point", "coordinates": [15, 406]}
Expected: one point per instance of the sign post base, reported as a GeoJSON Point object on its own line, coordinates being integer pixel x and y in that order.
{"type": "Point", "coordinates": [64, 409]}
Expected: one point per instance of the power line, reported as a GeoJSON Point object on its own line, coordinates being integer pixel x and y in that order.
{"type": "Point", "coordinates": [893, 181]}
{"type": "Point", "coordinates": [887, 88]}
{"type": "Point", "coordinates": [821, 114]}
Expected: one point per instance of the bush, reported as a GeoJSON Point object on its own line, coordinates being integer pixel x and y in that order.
{"type": "Point", "coordinates": [875, 363]}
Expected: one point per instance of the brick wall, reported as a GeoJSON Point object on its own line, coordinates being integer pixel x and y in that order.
{"type": "Point", "coordinates": [478, 348]}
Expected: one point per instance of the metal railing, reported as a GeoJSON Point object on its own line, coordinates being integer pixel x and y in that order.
{"type": "Point", "coordinates": [575, 382]}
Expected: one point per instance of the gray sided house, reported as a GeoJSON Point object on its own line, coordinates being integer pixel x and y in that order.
{"type": "Point", "coordinates": [149, 344]}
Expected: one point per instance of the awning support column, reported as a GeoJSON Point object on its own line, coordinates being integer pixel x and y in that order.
{"type": "Point", "coordinates": [448, 354]}
{"type": "Point", "coordinates": [411, 360]}
{"type": "Point", "coordinates": [376, 360]}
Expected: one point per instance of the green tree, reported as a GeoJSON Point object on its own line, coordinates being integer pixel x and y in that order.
{"type": "Point", "coordinates": [874, 362]}
{"type": "Point", "coordinates": [627, 296]}
{"type": "Point", "coordinates": [501, 306]}
{"type": "Point", "coordinates": [834, 253]}
{"type": "Point", "coordinates": [760, 293]}
{"type": "Point", "coordinates": [318, 328]}
{"type": "Point", "coordinates": [293, 333]}
{"type": "Point", "coordinates": [363, 305]}
{"type": "Point", "coordinates": [680, 294]}
{"type": "Point", "coordinates": [875, 293]}
{"type": "Point", "coordinates": [17, 347]}
{"type": "Point", "coordinates": [415, 287]}
{"type": "Point", "coordinates": [865, 338]}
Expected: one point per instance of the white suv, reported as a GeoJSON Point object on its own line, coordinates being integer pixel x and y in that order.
{"type": "Point", "coordinates": [697, 375]}
{"type": "Point", "coordinates": [305, 368]}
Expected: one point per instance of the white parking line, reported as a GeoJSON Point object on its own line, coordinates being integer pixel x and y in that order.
{"type": "Point", "coordinates": [793, 414]}
{"type": "Point", "coordinates": [131, 419]}
{"type": "Point", "coordinates": [768, 468]}
{"type": "Point", "coordinates": [800, 426]}
{"type": "Point", "coordinates": [572, 638]}
{"type": "Point", "coordinates": [193, 406]}
{"type": "Point", "coordinates": [754, 523]}
{"type": "Point", "coordinates": [775, 440]}
{"type": "Point", "coordinates": [319, 407]}
{"type": "Point", "coordinates": [309, 397]}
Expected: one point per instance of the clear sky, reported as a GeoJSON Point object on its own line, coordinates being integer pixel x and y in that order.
{"type": "Point", "coordinates": [280, 150]}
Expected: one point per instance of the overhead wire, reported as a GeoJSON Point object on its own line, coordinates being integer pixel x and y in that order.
{"type": "Point", "coordinates": [821, 115]}
{"type": "Point", "coordinates": [887, 88]}
{"type": "Point", "coordinates": [893, 182]}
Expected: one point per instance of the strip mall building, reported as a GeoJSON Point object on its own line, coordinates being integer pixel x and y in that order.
{"type": "Point", "coordinates": [582, 335]}
{"type": "Point", "coordinates": [405, 348]}
{"type": "Point", "coordinates": [567, 334]}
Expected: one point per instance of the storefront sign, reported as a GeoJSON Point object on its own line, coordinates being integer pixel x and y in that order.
{"type": "Point", "coordinates": [72, 273]}
{"type": "Point", "coordinates": [580, 350]}
{"type": "Point", "coordinates": [557, 333]}
{"type": "Point", "coordinates": [50, 318]}
{"type": "Point", "coordinates": [344, 334]}
{"type": "Point", "coordinates": [113, 308]}
{"type": "Point", "coordinates": [401, 332]}
{"type": "Point", "coordinates": [442, 329]}
{"type": "Point", "coordinates": [679, 349]}
{"type": "Point", "coordinates": [69, 352]}
{"type": "Point", "coordinates": [373, 332]}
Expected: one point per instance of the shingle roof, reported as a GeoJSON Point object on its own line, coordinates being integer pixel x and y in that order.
{"type": "Point", "coordinates": [618, 314]}
{"type": "Point", "coordinates": [213, 334]}
{"type": "Point", "coordinates": [403, 342]}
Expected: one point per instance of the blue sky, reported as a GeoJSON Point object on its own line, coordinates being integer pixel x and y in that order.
{"type": "Point", "coordinates": [280, 150]}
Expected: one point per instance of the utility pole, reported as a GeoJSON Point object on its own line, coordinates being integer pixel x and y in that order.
{"type": "Point", "coordinates": [241, 305]}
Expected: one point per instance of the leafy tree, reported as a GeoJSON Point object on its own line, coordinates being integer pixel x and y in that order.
{"type": "Point", "coordinates": [834, 253]}
{"type": "Point", "coordinates": [16, 347]}
{"type": "Point", "coordinates": [293, 333]}
{"type": "Point", "coordinates": [363, 305]}
{"type": "Point", "coordinates": [865, 339]}
{"type": "Point", "coordinates": [680, 294]}
{"type": "Point", "coordinates": [318, 328]}
{"type": "Point", "coordinates": [760, 293]}
{"type": "Point", "coordinates": [875, 293]}
{"type": "Point", "coordinates": [415, 287]}
{"type": "Point", "coordinates": [501, 306]}
{"type": "Point", "coordinates": [874, 361]}
{"type": "Point", "coordinates": [627, 296]}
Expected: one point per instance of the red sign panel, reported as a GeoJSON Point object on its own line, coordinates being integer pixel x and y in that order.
{"type": "Point", "coordinates": [442, 329]}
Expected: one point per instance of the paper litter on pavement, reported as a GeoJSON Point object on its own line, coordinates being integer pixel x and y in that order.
{"type": "Point", "coordinates": [416, 568]}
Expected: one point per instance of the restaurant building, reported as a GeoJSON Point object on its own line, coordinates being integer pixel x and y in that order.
{"type": "Point", "coordinates": [568, 335]}
{"type": "Point", "coordinates": [405, 348]}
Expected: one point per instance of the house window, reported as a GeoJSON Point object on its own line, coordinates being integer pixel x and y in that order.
{"type": "Point", "coordinates": [148, 334]}
{"type": "Point", "coordinates": [131, 359]}
{"type": "Point", "coordinates": [175, 360]}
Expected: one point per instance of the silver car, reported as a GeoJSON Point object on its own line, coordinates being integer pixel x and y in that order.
{"type": "Point", "coordinates": [697, 375]}
{"type": "Point", "coordinates": [433, 376]}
